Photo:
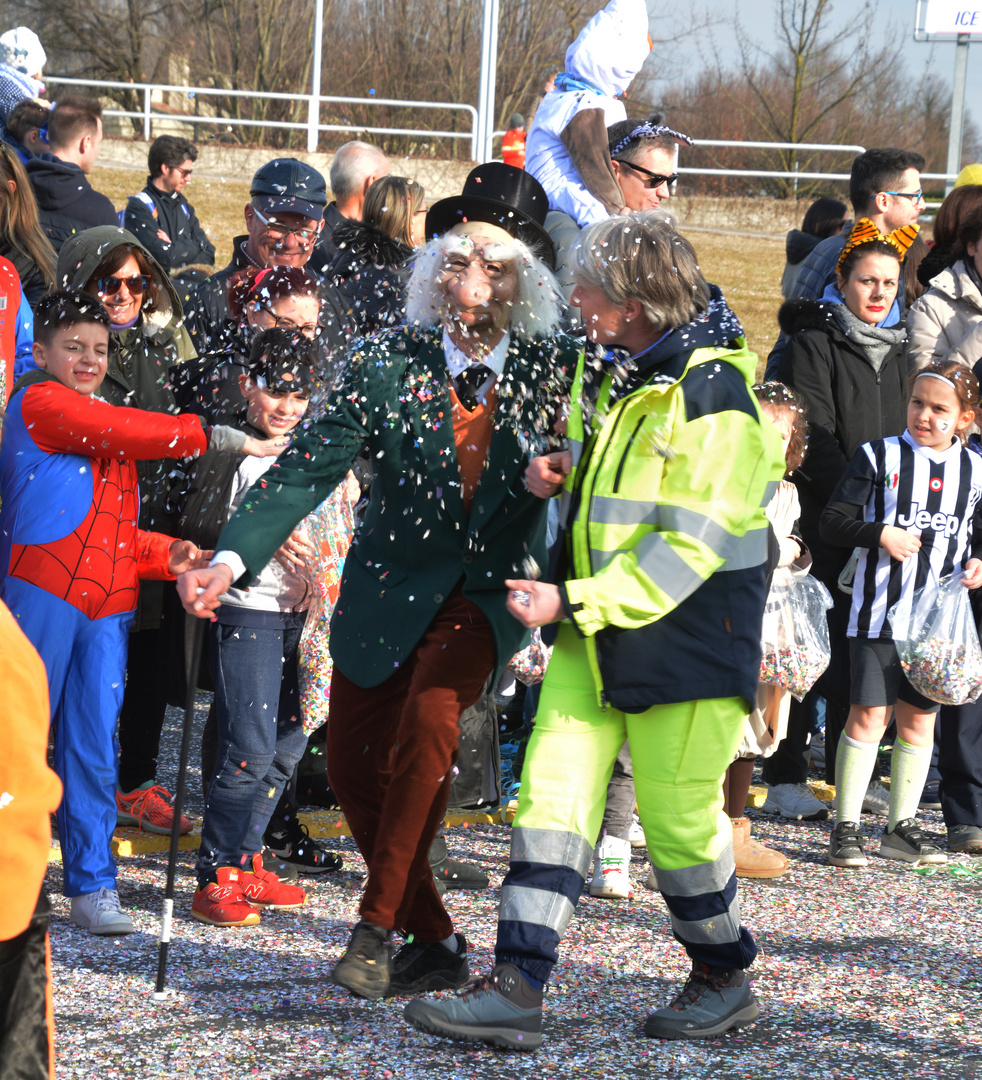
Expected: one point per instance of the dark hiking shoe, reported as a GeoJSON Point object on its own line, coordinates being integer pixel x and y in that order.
{"type": "Point", "coordinates": [713, 1000]}
{"type": "Point", "coordinates": [966, 839]}
{"type": "Point", "coordinates": [846, 845]}
{"type": "Point", "coordinates": [502, 1009]}
{"type": "Point", "coordinates": [418, 968]}
{"type": "Point", "coordinates": [364, 968]}
{"type": "Point", "coordinates": [454, 874]}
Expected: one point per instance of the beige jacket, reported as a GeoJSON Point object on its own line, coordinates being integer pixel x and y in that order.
{"type": "Point", "coordinates": [945, 322]}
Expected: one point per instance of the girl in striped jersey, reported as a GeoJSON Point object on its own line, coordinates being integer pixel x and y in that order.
{"type": "Point", "coordinates": [911, 505]}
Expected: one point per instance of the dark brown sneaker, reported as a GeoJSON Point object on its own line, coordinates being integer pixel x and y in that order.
{"type": "Point", "coordinates": [418, 968]}
{"type": "Point", "coordinates": [364, 968]}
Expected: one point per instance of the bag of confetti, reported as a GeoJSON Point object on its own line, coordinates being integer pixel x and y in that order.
{"type": "Point", "coordinates": [794, 638]}
{"type": "Point", "coordinates": [937, 642]}
{"type": "Point", "coordinates": [529, 664]}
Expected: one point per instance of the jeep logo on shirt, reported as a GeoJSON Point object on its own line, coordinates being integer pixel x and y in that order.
{"type": "Point", "coordinates": [946, 524]}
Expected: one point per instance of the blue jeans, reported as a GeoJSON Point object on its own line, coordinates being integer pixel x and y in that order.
{"type": "Point", "coordinates": [261, 739]}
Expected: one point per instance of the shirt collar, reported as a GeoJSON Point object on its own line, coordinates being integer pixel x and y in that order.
{"type": "Point", "coordinates": [458, 361]}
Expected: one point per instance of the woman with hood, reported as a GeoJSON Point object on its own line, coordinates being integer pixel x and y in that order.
{"type": "Point", "coordinates": [146, 339]}
{"type": "Point", "coordinates": [371, 269]}
{"type": "Point", "coordinates": [847, 357]}
{"type": "Point", "coordinates": [825, 217]}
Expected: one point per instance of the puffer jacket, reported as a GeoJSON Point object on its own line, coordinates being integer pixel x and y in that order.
{"type": "Point", "coordinates": [945, 322]}
{"type": "Point", "coordinates": [137, 373]}
{"type": "Point", "coordinates": [369, 274]}
{"type": "Point", "coordinates": [848, 403]}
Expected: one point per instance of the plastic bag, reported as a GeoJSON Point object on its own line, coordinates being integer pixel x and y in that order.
{"type": "Point", "coordinates": [794, 644]}
{"type": "Point", "coordinates": [529, 664]}
{"type": "Point", "coordinates": [937, 642]}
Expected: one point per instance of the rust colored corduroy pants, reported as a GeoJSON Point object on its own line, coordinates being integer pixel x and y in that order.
{"type": "Point", "coordinates": [390, 752]}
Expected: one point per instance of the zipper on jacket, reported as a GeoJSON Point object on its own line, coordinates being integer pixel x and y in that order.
{"type": "Point", "coordinates": [627, 450]}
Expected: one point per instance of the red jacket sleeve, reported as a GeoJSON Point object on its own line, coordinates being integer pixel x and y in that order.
{"type": "Point", "coordinates": [153, 556]}
{"type": "Point", "coordinates": [62, 421]}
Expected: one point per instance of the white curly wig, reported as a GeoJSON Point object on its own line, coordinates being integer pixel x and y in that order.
{"type": "Point", "coordinates": [535, 309]}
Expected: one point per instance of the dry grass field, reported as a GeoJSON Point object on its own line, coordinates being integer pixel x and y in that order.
{"type": "Point", "coordinates": [746, 264]}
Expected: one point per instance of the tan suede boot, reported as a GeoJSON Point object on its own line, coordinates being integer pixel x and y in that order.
{"type": "Point", "coordinates": [752, 859]}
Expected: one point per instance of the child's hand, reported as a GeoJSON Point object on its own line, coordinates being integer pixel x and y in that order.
{"type": "Point", "coordinates": [199, 590]}
{"type": "Point", "coordinates": [186, 555]}
{"type": "Point", "coordinates": [545, 474]}
{"type": "Point", "coordinates": [900, 543]}
{"type": "Point", "coordinates": [265, 447]}
{"type": "Point", "coordinates": [294, 552]}
{"type": "Point", "coordinates": [972, 578]}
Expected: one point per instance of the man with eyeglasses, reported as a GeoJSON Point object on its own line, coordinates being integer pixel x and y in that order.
{"type": "Point", "coordinates": [644, 158]}
{"type": "Point", "coordinates": [160, 217]}
{"type": "Point", "coordinates": [283, 219]}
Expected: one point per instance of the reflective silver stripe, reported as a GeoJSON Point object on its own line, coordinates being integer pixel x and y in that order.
{"type": "Point", "coordinates": [696, 880]}
{"type": "Point", "coordinates": [714, 931]}
{"type": "Point", "coordinates": [666, 568]}
{"type": "Point", "coordinates": [536, 906]}
{"type": "Point", "coordinates": [575, 448]}
{"type": "Point", "coordinates": [552, 848]}
{"type": "Point", "coordinates": [699, 527]}
{"type": "Point", "coordinates": [606, 510]}
{"type": "Point", "coordinates": [749, 550]}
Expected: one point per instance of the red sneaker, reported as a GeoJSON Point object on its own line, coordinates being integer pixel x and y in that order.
{"type": "Point", "coordinates": [223, 903]}
{"type": "Point", "coordinates": [264, 889]}
{"type": "Point", "coordinates": [150, 808]}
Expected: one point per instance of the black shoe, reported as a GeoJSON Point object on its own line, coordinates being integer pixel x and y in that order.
{"type": "Point", "coordinates": [283, 870]}
{"type": "Point", "coordinates": [454, 874]}
{"type": "Point", "coordinates": [364, 968]}
{"type": "Point", "coordinates": [846, 845]}
{"type": "Point", "coordinates": [909, 843]}
{"type": "Point", "coordinates": [314, 790]}
{"type": "Point", "coordinates": [504, 1010]}
{"type": "Point", "coordinates": [713, 1000]}
{"type": "Point", "coordinates": [418, 968]}
{"type": "Point", "coordinates": [965, 839]}
{"type": "Point", "coordinates": [295, 845]}
{"type": "Point", "coordinates": [930, 796]}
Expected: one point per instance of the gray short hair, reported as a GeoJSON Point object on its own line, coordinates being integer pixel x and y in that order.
{"type": "Point", "coordinates": [640, 256]}
{"type": "Point", "coordinates": [352, 165]}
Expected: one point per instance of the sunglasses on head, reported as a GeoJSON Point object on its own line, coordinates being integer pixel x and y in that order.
{"type": "Point", "coordinates": [109, 286]}
{"type": "Point", "coordinates": [652, 180]}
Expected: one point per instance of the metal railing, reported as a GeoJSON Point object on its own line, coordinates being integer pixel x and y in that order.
{"type": "Point", "coordinates": [312, 125]}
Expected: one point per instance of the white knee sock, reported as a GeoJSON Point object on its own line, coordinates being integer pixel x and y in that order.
{"type": "Point", "coordinates": [854, 763]}
{"type": "Point", "coordinates": [909, 767]}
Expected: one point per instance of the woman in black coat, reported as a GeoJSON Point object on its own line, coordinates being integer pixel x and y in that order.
{"type": "Point", "coordinates": [847, 357]}
{"type": "Point", "coordinates": [371, 269]}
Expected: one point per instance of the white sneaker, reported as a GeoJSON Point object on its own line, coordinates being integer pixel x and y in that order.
{"type": "Point", "coordinates": [636, 834]}
{"type": "Point", "coordinates": [611, 869]}
{"type": "Point", "coordinates": [651, 881]}
{"type": "Point", "coordinates": [100, 913]}
{"type": "Point", "coordinates": [794, 801]}
{"type": "Point", "coordinates": [875, 801]}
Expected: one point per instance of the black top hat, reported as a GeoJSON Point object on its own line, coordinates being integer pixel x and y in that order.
{"type": "Point", "coordinates": [501, 195]}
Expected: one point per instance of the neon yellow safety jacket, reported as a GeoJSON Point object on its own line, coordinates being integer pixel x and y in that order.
{"type": "Point", "coordinates": [666, 542]}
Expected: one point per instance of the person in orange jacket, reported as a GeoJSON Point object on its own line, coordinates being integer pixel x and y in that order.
{"type": "Point", "coordinates": [513, 142]}
{"type": "Point", "coordinates": [29, 792]}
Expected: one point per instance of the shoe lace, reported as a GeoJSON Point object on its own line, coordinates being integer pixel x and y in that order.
{"type": "Point", "coordinates": [107, 900]}
{"type": "Point", "coordinates": [153, 800]}
{"type": "Point", "coordinates": [483, 984]}
{"type": "Point", "coordinates": [702, 980]}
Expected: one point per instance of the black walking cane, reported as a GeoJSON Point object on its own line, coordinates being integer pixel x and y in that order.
{"type": "Point", "coordinates": [197, 639]}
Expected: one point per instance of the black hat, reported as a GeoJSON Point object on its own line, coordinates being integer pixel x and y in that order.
{"type": "Point", "coordinates": [501, 195]}
{"type": "Point", "coordinates": [290, 186]}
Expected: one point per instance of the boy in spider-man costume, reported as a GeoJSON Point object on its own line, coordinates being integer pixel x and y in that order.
{"type": "Point", "coordinates": [70, 559]}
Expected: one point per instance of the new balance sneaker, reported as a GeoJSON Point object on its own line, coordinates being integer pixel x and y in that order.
{"type": "Point", "coordinates": [795, 802]}
{"type": "Point", "coordinates": [99, 913]}
{"type": "Point", "coordinates": [846, 845]}
{"type": "Point", "coordinates": [908, 843]}
{"type": "Point", "coordinates": [713, 1000]}
{"type": "Point", "coordinates": [418, 968]}
{"type": "Point", "coordinates": [502, 1009]}
{"type": "Point", "coordinates": [222, 903]}
{"type": "Point", "coordinates": [150, 808]}
{"type": "Point", "coordinates": [364, 968]}
{"type": "Point", "coordinates": [965, 839]}
{"type": "Point", "coordinates": [611, 869]}
{"type": "Point", "coordinates": [264, 889]}
{"type": "Point", "coordinates": [294, 845]}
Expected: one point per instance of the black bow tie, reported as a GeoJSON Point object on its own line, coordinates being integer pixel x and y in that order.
{"type": "Point", "coordinates": [467, 383]}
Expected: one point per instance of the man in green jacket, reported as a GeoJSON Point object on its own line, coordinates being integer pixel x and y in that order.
{"type": "Point", "coordinates": [450, 409]}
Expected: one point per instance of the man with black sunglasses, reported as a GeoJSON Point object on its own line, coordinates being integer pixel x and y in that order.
{"type": "Point", "coordinates": [644, 158]}
{"type": "Point", "coordinates": [284, 218]}
{"type": "Point", "coordinates": [160, 217]}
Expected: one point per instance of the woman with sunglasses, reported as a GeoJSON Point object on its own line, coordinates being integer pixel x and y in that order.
{"type": "Point", "coordinates": [147, 338]}
{"type": "Point", "coordinates": [371, 268]}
